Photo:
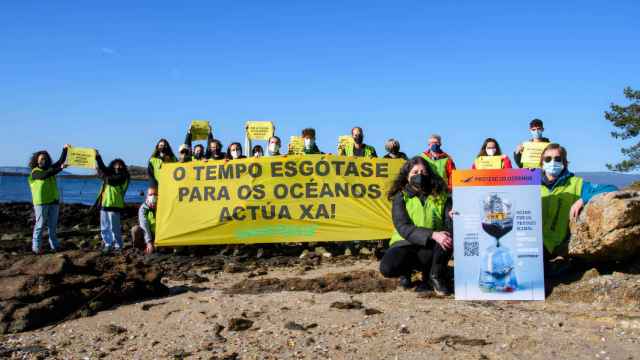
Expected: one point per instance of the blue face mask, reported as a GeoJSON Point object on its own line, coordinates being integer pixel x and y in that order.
{"type": "Point", "coordinates": [553, 168]}
{"type": "Point", "coordinates": [537, 134]}
{"type": "Point", "coordinates": [435, 148]}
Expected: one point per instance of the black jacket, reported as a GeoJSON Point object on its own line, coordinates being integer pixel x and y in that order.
{"type": "Point", "coordinates": [53, 170]}
{"type": "Point", "coordinates": [400, 155]}
{"type": "Point", "coordinates": [412, 234]}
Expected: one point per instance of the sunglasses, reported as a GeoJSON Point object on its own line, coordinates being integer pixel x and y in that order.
{"type": "Point", "coordinates": [548, 159]}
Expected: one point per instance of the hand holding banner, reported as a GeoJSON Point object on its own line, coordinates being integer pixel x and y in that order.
{"type": "Point", "coordinates": [200, 130]}
{"type": "Point", "coordinates": [259, 130]}
{"type": "Point", "coordinates": [81, 157]}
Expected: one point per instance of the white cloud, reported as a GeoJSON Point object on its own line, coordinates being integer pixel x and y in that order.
{"type": "Point", "coordinates": [108, 51]}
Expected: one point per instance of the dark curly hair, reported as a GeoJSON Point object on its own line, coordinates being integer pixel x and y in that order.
{"type": "Point", "coordinates": [167, 150]}
{"type": "Point", "coordinates": [33, 162]}
{"type": "Point", "coordinates": [229, 150]}
{"type": "Point", "coordinates": [112, 165]}
{"type": "Point", "coordinates": [436, 183]}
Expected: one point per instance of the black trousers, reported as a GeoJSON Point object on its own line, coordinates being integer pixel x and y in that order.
{"type": "Point", "coordinates": [431, 260]}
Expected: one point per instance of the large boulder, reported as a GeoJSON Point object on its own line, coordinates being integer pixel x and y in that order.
{"type": "Point", "coordinates": [608, 228]}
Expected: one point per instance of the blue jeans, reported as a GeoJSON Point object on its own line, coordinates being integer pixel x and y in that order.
{"type": "Point", "coordinates": [110, 229]}
{"type": "Point", "coordinates": [46, 215]}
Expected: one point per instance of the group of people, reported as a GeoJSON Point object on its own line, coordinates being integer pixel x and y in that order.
{"type": "Point", "coordinates": [420, 196]}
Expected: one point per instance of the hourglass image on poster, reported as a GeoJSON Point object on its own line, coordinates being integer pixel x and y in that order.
{"type": "Point", "coordinates": [498, 235]}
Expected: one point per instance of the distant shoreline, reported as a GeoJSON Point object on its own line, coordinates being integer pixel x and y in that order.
{"type": "Point", "coordinates": [72, 176]}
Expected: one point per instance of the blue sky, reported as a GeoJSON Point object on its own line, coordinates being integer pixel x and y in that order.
{"type": "Point", "coordinates": [120, 75]}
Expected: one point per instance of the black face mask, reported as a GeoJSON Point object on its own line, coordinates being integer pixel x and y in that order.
{"type": "Point", "coordinates": [420, 182]}
{"type": "Point", "coordinates": [358, 139]}
{"type": "Point", "coordinates": [198, 156]}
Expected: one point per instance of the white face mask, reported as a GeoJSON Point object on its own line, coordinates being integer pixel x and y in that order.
{"type": "Point", "coordinates": [274, 148]}
{"type": "Point", "coordinates": [308, 143]}
{"type": "Point", "coordinates": [491, 152]}
{"type": "Point", "coordinates": [257, 154]}
{"type": "Point", "coordinates": [235, 154]}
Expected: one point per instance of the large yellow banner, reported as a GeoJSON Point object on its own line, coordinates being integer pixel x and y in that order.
{"type": "Point", "coordinates": [275, 200]}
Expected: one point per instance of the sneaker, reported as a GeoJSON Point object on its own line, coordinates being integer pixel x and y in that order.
{"type": "Point", "coordinates": [439, 286]}
{"type": "Point", "coordinates": [405, 281]}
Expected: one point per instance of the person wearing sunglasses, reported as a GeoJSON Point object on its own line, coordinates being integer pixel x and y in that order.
{"type": "Point", "coordinates": [563, 197]}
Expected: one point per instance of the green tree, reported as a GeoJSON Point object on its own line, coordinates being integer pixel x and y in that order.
{"type": "Point", "coordinates": [627, 119]}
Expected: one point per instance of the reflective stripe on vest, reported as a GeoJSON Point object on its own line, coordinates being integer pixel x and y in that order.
{"type": "Point", "coordinates": [43, 191]}
{"type": "Point", "coordinates": [556, 205]}
{"type": "Point", "coordinates": [151, 218]}
{"type": "Point", "coordinates": [350, 149]}
{"type": "Point", "coordinates": [430, 215]}
{"type": "Point", "coordinates": [438, 166]}
{"type": "Point", "coordinates": [113, 196]}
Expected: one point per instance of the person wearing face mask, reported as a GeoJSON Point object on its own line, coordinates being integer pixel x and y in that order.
{"type": "Point", "coordinates": [422, 238]}
{"type": "Point", "coordinates": [440, 162]}
{"type": "Point", "coordinates": [310, 147]}
{"type": "Point", "coordinates": [143, 234]}
{"type": "Point", "coordinates": [536, 128]}
{"type": "Point", "coordinates": [234, 151]}
{"type": "Point", "coordinates": [161, 154]}
{"type": "Point", "coordinates": [257, 151]}
{"type": "Point", "coordinates": [184, 155]}
{"type": "Point", "coordinates": [273, 149]}
{"type": "Point", "coordinates": [358, 148]}
{"type": "Point", "coordinates": [198, 151]}
{"type": "Point", "coordinates": [45, 196]}
{"type": "Point", "coordinates": [491, 157]}
{"type": "Point", "coordinates": [110, 201]}
{"type": "Point", "coordinates": [392, 146]}
{"type": "Point", "coordinates": [563, 197]}
{"type": "Point", "coordinates": [214, 150]}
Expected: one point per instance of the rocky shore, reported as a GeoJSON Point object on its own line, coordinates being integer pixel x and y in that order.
{"type": "Point", "coordinates": [301, 301]}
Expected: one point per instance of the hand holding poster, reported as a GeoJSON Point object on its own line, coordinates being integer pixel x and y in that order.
{"type": "Point", "coordinates": [488, 162]}
{"type": "Point", "coordinates": [259, 130]}
{"type": "Point", "coordinates": [343, 141]}
{"type": "Point", "coordinates": [275, 199]}
{"type": "Point", "coordinates": [531, 153]}
{"type": "Point", "coordinates": [498, 235]}
{"type": "Point", "coordinates": [200, 130]}
{"type": "Point", "coordinates": [296, 145]}
{"type": "Point", "coordinates": [81, 157]}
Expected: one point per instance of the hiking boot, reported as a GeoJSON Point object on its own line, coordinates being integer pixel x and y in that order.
{"type": "Point", "coordinates": [405, 281]}
{"type": "Point", "coordinates": [439, 286]}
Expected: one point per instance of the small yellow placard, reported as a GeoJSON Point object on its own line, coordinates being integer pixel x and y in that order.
{"type": "Point", "coordinates": [200, 130]}
{"type": "Point", "coordinates": [81, 157]}
{"type": "Point", "coordinates": [488, 162]}
{"type": "Point", "coordinates": [343, 141]}
{"type": "Point", "coordinates": [531, 153]}
{"type": "Point", "coordinates": [296, 145]}
{"type": "Point", "coordinates": [259, 130]}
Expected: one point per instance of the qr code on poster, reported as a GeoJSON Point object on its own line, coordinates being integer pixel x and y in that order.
{"type": "Point", "coordinates": [471, 248]}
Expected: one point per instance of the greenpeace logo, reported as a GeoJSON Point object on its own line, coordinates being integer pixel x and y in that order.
{"type": "Point", "coordinates": [278, 230]}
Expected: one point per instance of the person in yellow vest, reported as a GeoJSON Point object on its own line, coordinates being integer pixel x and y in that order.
{"type": "Point", "coordinates": [422, 238]}
{"type": "Point", "coordinates": [439, 161]}
{"type": "Point", "coordinates": [491, 157]}
{"type": "Point", "coordinates": [521, 155]}
{"type": "Point", "coordinates": [358, 148]}
{"type": "Point", "coordinates": [563, 197]}
{"type": "Point", "coordinates": [45, 196]}
{"type": "Point", "coordinates": [143, 235]}
{"type": "Point", "coordinates": [111, 200]}
{"type": "Point", "coordinates": [162, 154]}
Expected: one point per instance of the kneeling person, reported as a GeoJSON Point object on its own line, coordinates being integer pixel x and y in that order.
{"type": "Point", "coordinates": [422, 238]}
{"type": "Point", "coordinates": [144, 233]}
